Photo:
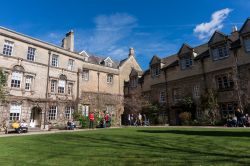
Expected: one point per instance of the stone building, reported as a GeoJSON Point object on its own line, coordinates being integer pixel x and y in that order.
{"type": "Point", "coordinates": [47, 83]}
{"type": "Point", "coordinates": [222, 65]}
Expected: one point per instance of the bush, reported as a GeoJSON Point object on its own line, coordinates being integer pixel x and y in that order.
{"type": "Point", "coordinates": [185, 118]}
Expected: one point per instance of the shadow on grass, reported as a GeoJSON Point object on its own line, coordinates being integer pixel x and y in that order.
{"type": "Point", "coordinates": [202, 133]}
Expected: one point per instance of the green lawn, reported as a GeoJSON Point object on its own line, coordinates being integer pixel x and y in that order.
{"type": "Point", "coordinates": [130, 146]}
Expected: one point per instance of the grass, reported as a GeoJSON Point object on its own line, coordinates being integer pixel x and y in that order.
{"type": "Point", "coordinates": [130, 146]}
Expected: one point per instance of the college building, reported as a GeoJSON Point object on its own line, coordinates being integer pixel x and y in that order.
{"type": "Point", "coordinates": [221, 65]}
{"type": "Point", "coordinates": [47, 83]}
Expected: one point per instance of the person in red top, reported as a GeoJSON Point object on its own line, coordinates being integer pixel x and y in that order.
{"type": "Point", "coordinates": [107, 120]}
{"type": "Point", "coordinates": [91, 120]}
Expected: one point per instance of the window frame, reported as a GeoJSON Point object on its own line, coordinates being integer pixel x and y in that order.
{"type": "Point", "coordinates": [15, 113]}
{"type": "Point", "coordinates": [53, 85]}
{"type": "Point", "coordinates": [28, 83]}
{"type": "Point", "coordinates": [52, 113]}
{"type": "Point", "coordinates": [71, 64]}
{"type": "Point", "coordinates": [162, 97]}
{"type": "Point", "coordinates": [31, 53]}
{"type": "Point", "coordinates": [16, 83]}
{"type": "Point", "coordinates": [8, 48]}
{"type": "Point", "coordinates": [220, 52]}
{"type": "Point", "coordinates": [224, 82]}
{"type": "Point", "coordinates": [61, 89]}
{"type": "Point", "coordinates": [110, 78]}
{"type": "Point", "coordinates": [68, 112]}
{"type": "Point", "coordinates": [55, 60]}
{"type": "Point", "coordinates": [85, 75]}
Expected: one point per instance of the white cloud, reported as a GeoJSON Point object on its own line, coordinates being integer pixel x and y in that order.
{"type": "Point", "coordinates": [205, 30]}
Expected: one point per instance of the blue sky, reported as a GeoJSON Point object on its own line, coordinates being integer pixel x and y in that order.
{"type": "Point", "coordinates": [110, 27]}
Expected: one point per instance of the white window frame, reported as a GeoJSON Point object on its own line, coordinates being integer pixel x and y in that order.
{"type": "Point", "coordinates": [162, 98]}
{"type": "Point", "coordinates": [61, 86]}
{"type": "Point", "coordinates": [53, 86]}
{"type": "Point", "coordinates": [220, 52]}
{"type": "Point", "coordinates": [15, 111]}
{"type": "Point", "coordinates": [85, 75]}
{"type": "Point", "coordinates": [31, 54]}
{"type": "Point", "coordinates": [70, 88]}
{"type": "Point", "coordinates": [71, 63]}
{"type": "Point", "coordinates": [28, 83]}
{"type": "Point", "coordinates": [16, 79]}
{"type": "Point", "coordinates": [85, 110]}
{"type": "Point", "coordinates": [8, 48]}
{"type": "Point", "coordinates": [52, 114]}
{"type": "Point", "coordinates": [110, 78]}
{"type": "Point", "coordinates": [55, 60]}
{"type": "Point", "coordinates": [68, 112]}
{"type": "Point", "coordinates": [196, 91]}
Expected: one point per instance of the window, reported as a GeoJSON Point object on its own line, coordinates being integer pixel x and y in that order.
{"type": "Point", "coordinates": [28, 83]}
{"type": "Point", "coordinates": [85, 110]}
{"type": "Point", "coordinates": [68, 112]}
{"type": "Point", "coordinates": [134, 82]}
{"type": "Point", "coordinates": [228, 109]}
{"type": "Point", "coordinates": [110, 78]}
{"type": "Point", "coordinates": [196, 91]}
{"type": "Point", "coordinates": [155, 71]}
{"type": "Point", "coordinates": [15, 111]}
{"type": "Point", "coordinates": [186, 62]}
{"type": "Point", "coordinates": [85, 75]}
{"type": "Point", "coordinates": [247, 43]}
{"type": "Point", "coordinates": [61, 86]}
{"type": "Point", "coordinates": [52, 112]}
{"type": "Point", "coordinates": [16, 79]}
{"type": "Point", "coordinates": [70, 88]}
{"type": "Point", "coordinates": [176, 95]}
{"type": "Point", "coordinates": [109, 109]}
{"type": "Point", "coordinates": [162, 96]}
{"type": "Point", "coordinates": [8, 48]}
{"type": "Point", "coordinates": [220, 52]}
{"type": "Point", "coordinates": [31, 54]}
{"type": "Point", "coordinates": [224, 82]}
{"type": "Point", "coordinates": [71, 64]}
{"type": "Point", "coordinates": [53, 85]}
{"type": "Point", "coordinates": [108, 64]}
{"type": "Point", "coordinates": [55, 61]}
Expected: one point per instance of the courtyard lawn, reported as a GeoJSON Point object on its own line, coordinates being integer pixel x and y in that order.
{"type": "Point", "coordinates": [130, 146]}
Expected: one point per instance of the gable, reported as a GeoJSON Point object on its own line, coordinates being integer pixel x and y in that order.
{"type": "Point", "coordinates": [155, 60]}
{"type": "Point", "coordinates": [185, 48]}
{"type": "Point", "coordinates": [133, 73]}
{"type": "Point", "coordinates": [108, 60]}
{"type": "Point", "coordinates": [217, 38]}
{"type": "Point", "coordinates": [246, 27]}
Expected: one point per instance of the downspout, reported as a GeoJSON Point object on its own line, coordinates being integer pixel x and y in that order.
{"type": "Point", "coordinates": [166, 89]}
{"type": "Point", "coordinates": [78, 88]}
{"type": "Point", "coordinates": [46, 93]}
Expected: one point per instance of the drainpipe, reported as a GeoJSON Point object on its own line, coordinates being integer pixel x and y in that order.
{"type": "Point", "coordinates": [78, 88]}
{"type": "Point", "coordinates": [47, 87]}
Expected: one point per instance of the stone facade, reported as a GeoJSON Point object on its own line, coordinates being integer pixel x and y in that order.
{"type": "Point", "coordinates": [222, 64]}
{"type": "Point", "coordinates": [46, 83]}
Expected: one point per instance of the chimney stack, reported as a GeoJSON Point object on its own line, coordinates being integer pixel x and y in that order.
{"type": "Point", "coordinates": [131, 52]}
{"type": "Point", "coordinates": [234, 29]}
{"type": "Point", "coordinates": [68, 41]}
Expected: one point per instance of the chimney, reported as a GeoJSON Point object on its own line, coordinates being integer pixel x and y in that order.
{"type": "Point", "coordinates": [234, 29]}
{"type": "Point", "coordinates": [131, 52]}
{"type": "Point", "coordinates": [68, 41]}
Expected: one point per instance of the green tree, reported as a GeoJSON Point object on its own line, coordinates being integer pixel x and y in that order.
{"type": "Point", "coordinates": [3, 80]}
{"type": "Point", "coordinates": [209, 105]}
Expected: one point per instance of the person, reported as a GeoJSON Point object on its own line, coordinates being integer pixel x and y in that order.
{"type": "Point", "coordinates": [129, 120]}
{"type": "Point", "coordinates": [239, 116]}
{"type": "Point", "coordinates": [15, 125]}
{"type": "Point", "coordinates": [140, 119]}
{"type": "Point", "coordinates": [24, 126]}
{"type": "Point", "coordinates": [91, 120]}
{"type": "Point", "coordinates": [107, 120]}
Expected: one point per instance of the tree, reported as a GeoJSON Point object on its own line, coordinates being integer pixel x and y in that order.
{"type": "Point", "coordinates": [209, 105]}
{"type": "Point", "coordinates": [3, 80]}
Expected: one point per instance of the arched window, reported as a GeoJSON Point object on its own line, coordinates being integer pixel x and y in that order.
{"type": "Point", "coordinates": [17, 76]}
{"type": "Point", "coordinates": [62, 84]}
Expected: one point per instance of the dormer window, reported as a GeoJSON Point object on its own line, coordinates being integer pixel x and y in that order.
{"type": "Point", "coordinates": [155, 71]}
{"type": "Point", "coordinates": [108, 62]}
{"type": "Point", "coordinates": [133, 82]}
{"type": "Point", "coordinates": [247, 43]}
{"type": "Point", "coordinates": [186, 62]}
{"type": "Point", "coordinates": [220, 52]}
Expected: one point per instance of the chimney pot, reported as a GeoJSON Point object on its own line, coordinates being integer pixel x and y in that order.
{"type": "Point", "coordinates": [131, 51]}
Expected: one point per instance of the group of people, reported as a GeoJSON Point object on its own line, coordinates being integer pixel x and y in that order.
{"type": "Point", "coordinates": [105, 120]}
{"type": "Point", "coordinates": [238, 119]}
{"type": "Point", "coordinates": [137, 120]}
{"type": "Point", "coordinates": [20, 126]}
{"type": "Point", "coordinates": [71, 125]}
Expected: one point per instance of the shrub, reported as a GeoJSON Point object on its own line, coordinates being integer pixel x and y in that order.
{"type": "Point", "coordinates": [185, 117]}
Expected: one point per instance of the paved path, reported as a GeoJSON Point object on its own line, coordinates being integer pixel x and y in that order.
{"type": "Point", "coordinates": [77, 130]}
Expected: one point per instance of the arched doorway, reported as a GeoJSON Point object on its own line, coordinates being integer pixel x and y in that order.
{"type": "Point", "coordinates": [36, 117]}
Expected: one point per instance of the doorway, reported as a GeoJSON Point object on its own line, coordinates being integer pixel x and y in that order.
{"type": "Point", "coordinates": [35, 117]}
